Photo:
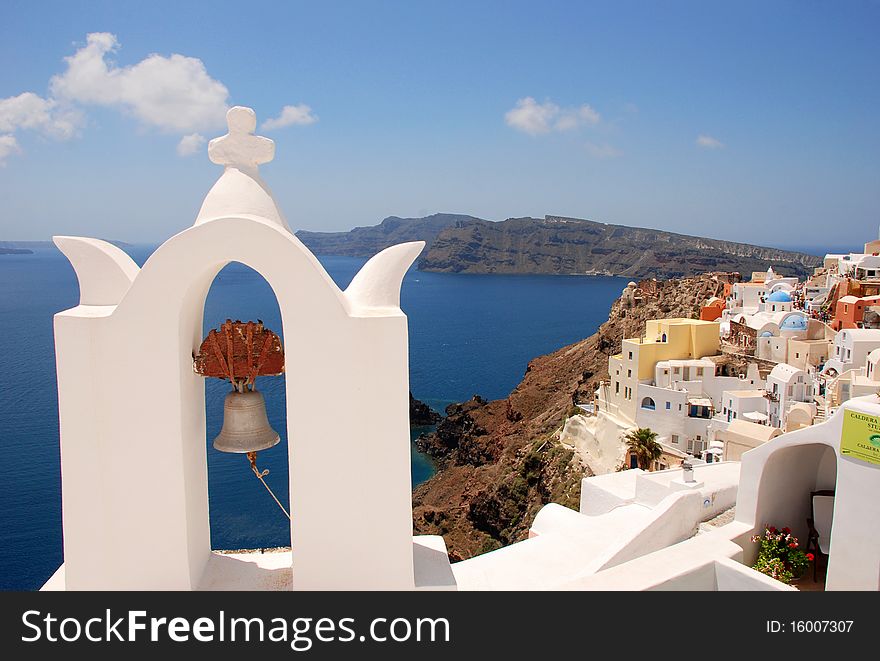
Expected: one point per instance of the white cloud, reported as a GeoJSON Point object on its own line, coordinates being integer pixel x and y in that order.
{"type": "Point", "coordinates": [708, 142]}
{"type": "Point", "coordinates": [190, 144]}
{"type": "Point", "coordinates": [602, 151]}
{"type": "Point", "coordinates": [572, 118]}
{"type": "Point", "coordinates": [531, 117]}
{"type": "Point", "coordinates": [173, 94]}
{"type": "Point", "coordinates": [300, 115]}
{"type": "Point", "coordinates": [535, 118]}
{"type": "Point", "coordinates": [31, 111]}
{"type": "Point", "coordinates": [8, 146]}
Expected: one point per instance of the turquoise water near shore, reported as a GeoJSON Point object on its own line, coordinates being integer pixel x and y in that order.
{"type": "Point", "coordinates": [469, 334]}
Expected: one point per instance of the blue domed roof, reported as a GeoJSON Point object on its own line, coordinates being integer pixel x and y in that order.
{"type": "Point", "coordinates": [794, 322]}
{"type": "Point", "coordinates": [779, 297]}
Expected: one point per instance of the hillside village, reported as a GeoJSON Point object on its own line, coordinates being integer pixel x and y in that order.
{"type": "Point", "coordinates": [802, 347]}
{"type": "Point", "coordinates": [707, 434]}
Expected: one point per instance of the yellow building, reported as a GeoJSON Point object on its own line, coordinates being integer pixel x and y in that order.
{"type": "Point", "coordinates": [665, 339]}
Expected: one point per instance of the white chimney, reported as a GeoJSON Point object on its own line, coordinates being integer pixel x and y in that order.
{"type": "Point", "coordinates": [687, 471]}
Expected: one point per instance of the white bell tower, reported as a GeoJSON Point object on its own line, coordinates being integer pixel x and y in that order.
{"type": "Point", "coordinates": [132, 410]}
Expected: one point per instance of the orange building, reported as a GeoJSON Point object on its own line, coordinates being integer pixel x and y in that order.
{"type": "Point", "coordinates": [850, 311]}
{"type": "Point", "coordinates": [712, 310]}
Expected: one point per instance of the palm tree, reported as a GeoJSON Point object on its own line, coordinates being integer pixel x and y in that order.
{"type": "Point", "coordinates": [643, 443]}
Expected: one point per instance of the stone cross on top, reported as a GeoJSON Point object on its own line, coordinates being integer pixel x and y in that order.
{"type": "Point", "coordinates": [240, 148]}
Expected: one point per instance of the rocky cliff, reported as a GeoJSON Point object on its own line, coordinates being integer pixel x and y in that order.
{"type": "Point", "coordinates": [499, 461]}
{"type": "Point", "coordinates": [367, 241]}
{"type": "Point", "coordinates": [559, 245]}
{"type": "Point", "coordinates": [420, 414]}
{"type": "Point", "coordinates": [458, 243]}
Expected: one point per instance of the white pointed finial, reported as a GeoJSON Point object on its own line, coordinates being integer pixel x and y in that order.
{"type": "Point", "coordinates": [240, 148]}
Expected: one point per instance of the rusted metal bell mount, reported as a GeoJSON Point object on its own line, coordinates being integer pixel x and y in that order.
{"type": "Point", "coordinates": [240, 350]}
{"type": "Point", "coordinates": [246, 426]}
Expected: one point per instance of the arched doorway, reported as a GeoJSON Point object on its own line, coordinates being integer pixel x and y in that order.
{"type": "Point", "coordinates": [789, 476]}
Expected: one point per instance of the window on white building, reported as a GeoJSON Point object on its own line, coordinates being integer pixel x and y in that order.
{"type": "Point", "coordinates": [630, 355]}
{"type": "Point", "coordinates": [668, 405]}
{"type": "Point", "coordinates": [629, 374]}
{"type": "Point", "coordinates": [617, 387]}
{"type": "Point", "coordinates": [648, 403]}
{"type": "Point", "coordinates": [674, 439]}
{"type": "Point", "coordinates": [699, 371]}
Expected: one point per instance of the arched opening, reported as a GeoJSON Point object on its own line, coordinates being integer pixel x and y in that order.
{"type": "Point", "coordinates": [790, 475]}
{"type": "Point", "coordinates": [663, 337]}
{"type": "Point", "coordinates": [242, 514]}
{"type": "Point", "coordinates": [648, 403]}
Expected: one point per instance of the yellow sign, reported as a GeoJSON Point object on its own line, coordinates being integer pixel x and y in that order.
{"type": "Point", "coordinates": [861, 437]}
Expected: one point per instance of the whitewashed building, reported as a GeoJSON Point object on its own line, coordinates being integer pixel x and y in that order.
{"type": "Point", "coordinates": [785, 386]}
{"type": "Point", "coordinates": [684, 397]}
{"type": "Point", "coordinates": [851, 349]}
{"type": "Point", "coordinates": [857, 382]}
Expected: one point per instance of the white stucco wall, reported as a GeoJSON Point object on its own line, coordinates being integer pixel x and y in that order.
{"type": "Point", "coordinates": [703, 563]}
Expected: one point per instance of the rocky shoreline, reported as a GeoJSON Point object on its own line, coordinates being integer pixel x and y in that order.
{"type": "Point", "coordinates": [421, 415]}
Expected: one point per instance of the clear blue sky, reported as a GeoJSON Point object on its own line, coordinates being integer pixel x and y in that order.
{"type": "Point", "coordinates": [745, 121]}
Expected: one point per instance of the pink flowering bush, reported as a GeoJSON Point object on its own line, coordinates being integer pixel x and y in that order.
{"type": "Point", "coordinates": [780, 555]}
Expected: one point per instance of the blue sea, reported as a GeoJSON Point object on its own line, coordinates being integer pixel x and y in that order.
{"type": "Point", "coordinates": [469, 334]}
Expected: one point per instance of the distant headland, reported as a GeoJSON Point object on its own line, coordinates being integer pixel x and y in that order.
{"type": "Point", "coordinates": [457, 243]}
